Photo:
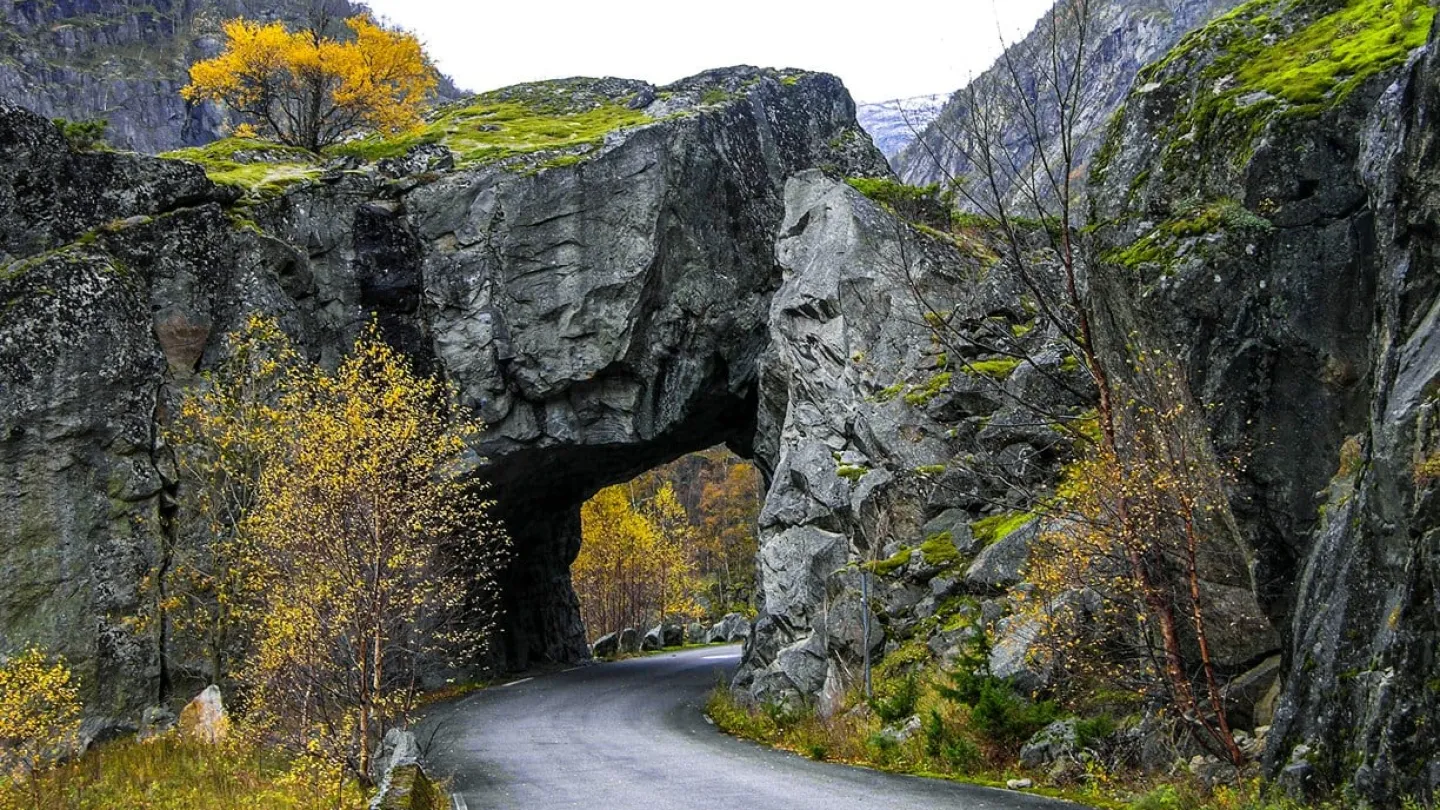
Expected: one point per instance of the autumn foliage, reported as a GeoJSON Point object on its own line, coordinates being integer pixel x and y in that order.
{"type": "Point", "coordinates": [349, 550]}
{"type": "Point", "coordinates": [306, 89]}
{"type": "Point", "coordinates": [633, 567]}
{"type": "Point", "coordinates": [678, 542]}
{"type": "Point", "coordinates": [39, 712]}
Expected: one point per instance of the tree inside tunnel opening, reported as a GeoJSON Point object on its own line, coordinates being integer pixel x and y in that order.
{"type": "Point", "coordinates": [675, 545]}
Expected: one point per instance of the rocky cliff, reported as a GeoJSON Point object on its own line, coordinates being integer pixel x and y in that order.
{"type": "Point", "coordinates": [686, 265]}
{"type": "Point", "coordinates": [1269, 215]}
{"type": "Point", "coordinates": [602, 306]}
{"type": "Point", "coordinates": [1123, 37]}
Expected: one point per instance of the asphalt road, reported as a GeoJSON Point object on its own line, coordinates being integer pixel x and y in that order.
{"type": "Point", "coordinates": [631, 735]}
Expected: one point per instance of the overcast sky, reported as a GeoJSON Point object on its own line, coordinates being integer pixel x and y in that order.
{"type": "Point", "coordinates": [887, 50]}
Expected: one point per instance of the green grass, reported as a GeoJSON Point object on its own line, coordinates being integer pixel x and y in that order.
{"type": "Point", "coordinates": [168, 773]}
{"type": "Point", "coordinates": [543, 116]}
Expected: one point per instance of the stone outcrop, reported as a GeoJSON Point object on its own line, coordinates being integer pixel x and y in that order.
{"type": "Point", "coordinates": [1301, 311]}
{"type": "Point", "coordinates": [603, 315]}
{"type": "Point", "coordinates": [204, 719]}
{"type": "Point", "coordinates": [706, 276]}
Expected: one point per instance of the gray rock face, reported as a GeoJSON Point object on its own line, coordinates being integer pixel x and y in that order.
{"type": "Point", "coordinates": [731, 627]}
{"type": "Point", "coordinates": [1309, 329]}
{"type": "Point", "coordinates": [1002, 563]}
{"type": "Point", "coordinates": [629, 641]}
{"type": "Point", "coordinates": [603, 317]}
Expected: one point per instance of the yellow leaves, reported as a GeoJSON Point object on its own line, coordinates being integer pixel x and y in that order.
{"type": "Point", "coordinates": [310, 90]}
{"type": "Point", "coordinates": [633, 567]}
{"type": "Point", "coordinates": [39, 711]}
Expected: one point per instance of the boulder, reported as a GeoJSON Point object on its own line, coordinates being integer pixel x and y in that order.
{"type": "Point", "coordinates": [629, 641]}
{"type": "Point", "coordinates": [672, 635]}
{"type": "Point", "coordinates": [733, 627]}
{"type": "Point", "coordinates": [1250, 696]}
{"type": "Point", "coordinates": [653, 640]}
{"type": "Point", "coordinates": [204, 718]}
{"type": "Point", "coordinates": [695, 633]}
{"type": "Point", "coordinates": [1002, 563]}
{"type": "Point", "coordinates": [1051, 744]}
{"type": "Point", "coordinates": [156, 720]}
{"type": "Point", "coordinates": [605, 646]}
{"type": "Point", "coordinates": [1010, 653]}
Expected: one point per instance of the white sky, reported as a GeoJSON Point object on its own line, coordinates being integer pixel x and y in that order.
{"type": "Point", "coordinates": [881, 50]}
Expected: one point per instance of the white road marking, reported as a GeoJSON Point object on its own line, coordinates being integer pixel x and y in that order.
{"type": "Point", "coordinates": [513, 683]}
{"type": "Point", "coordinates": [714, 657]}
{"type": "Point", "coordinates": [459, 802]}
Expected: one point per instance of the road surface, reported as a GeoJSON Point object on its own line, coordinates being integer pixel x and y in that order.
{"type": "Point", "coordinates": [631, 735]}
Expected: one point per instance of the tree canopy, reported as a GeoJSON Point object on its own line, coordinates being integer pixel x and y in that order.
{"type": "Point", "coordinates": [307, 89]}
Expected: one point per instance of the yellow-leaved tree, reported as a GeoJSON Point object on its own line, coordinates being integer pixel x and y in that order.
{"type": "Point", "coordinates": [633, 568]}
{"type": "Point", "coordinates": [39, 714]}
{"type": "Point", "coordinates": [206, 589]}
{"type": "Point", "coordinates": [375, 548]}
{"type": "Point", "coordinates": [307, 89]}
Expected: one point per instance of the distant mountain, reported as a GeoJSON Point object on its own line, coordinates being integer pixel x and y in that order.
{"type": "Point", "coordinates": [893, 124]}
{"type": "Point", "coordinates": [126, 60]}
{"type": "Point", "coordinates": [1128, 34]}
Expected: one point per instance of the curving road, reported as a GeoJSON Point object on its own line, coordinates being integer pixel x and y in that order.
{"type": "Point", "coordinates": [630, 735]}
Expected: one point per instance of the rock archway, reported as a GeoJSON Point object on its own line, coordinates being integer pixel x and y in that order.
{"type": "Point", "coordinates": [604, 313]}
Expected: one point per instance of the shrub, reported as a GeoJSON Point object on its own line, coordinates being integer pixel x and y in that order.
{"type": "Point", "coordinates": [1007, 719]}
{"type": "Point", "coordinates": [1093, 730]}
{"type": "Point", "coordinates": [84, 136]}
{"type": "Point", "coordinates": [39, 712]}
{"type": "Point", "coordinates": [895, 698]}
{"type": "Point", "coordinates": [997, 713]}
{"type": "Point", "coordinates": [1164, 797]}
{"type": "Point", "coordinates": [945, 743]}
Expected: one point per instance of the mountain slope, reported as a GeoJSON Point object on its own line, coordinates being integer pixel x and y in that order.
{"type": "Point", "coordinates": [893, 124]}
{"type": "Point", "coordinates": [1128, 34]}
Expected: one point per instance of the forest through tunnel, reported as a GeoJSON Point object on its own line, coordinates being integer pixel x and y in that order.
{"type": "Point", "coordinates": [619, 535]}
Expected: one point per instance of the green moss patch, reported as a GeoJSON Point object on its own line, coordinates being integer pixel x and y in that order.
{"type": "Point", "coordinates": [932, 388]}
{"type": "Point", "coordinates": [1157, 253]}
{"type": "Point", "coordinates": [995, 528]}
{"type": "Point", "coordinates": [1274, 58]}
{"type": "Point", "coordinates": [571, 115]}
{"type": "Point", "coordinates": [263, 169]}
{"type": "Point", "coordinates": [890, 564]}
{"type": "Point", "coordinates": [939, 550]}
{"type": "Point", "coordinates": [998, 369]}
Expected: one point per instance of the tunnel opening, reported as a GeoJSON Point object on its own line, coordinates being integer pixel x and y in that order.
{"type": "Point", "coordinates": [673, 547]}
{"type": "Point", "coordinates": [540, 493]}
